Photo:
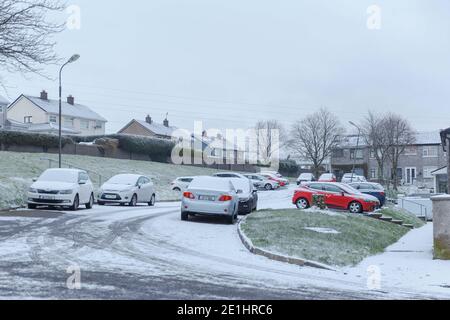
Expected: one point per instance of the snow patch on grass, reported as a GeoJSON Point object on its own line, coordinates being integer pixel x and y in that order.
{"type": "Point", "coordinates": [323, 230]}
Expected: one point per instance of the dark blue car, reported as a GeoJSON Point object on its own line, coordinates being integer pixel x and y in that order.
{"type": "Point", "coordinates": [373, 189]}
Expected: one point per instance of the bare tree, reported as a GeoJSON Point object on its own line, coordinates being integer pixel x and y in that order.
{"type": "Point", "coordinates": [26, 34]}
{"type": "Point", "coordinates": [374, 132]}
{"type": "Point", "coordinates": [271, 137]}
{"type": "Point", "coordinates": [400, 135]}
{"type": "Point", "coordinates": [315, 137]}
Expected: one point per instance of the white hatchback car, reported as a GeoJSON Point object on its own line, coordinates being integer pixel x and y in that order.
{"type": "Point", "coordinates": [181, 184]}
{"type": "Point", "coordinates": [62, 188]}
{"type": "Point", "coordinates": [128, 189]}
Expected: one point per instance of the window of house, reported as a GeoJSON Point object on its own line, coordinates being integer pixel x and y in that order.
{"type": "Point", "coordinates": [372, 153]}
{"type": "Point", "coordinates": [28, 119]}
{"type": "Point", "coordinates": [410, 151]}
{"type": "Point", "coordinates": [373, 174]}
{"type": "Point", "coordinates": [1, 109]}
{"type": "Point", "coordinates": [356, 154]}
{"type": "Point", "coordinates": [52, 119]}
{"type": "Point", "coordinates": [68, 122]}
{"type": "Point", "coordinates": [427, 172]}
{"type": "Point", "coordinates": [338, 153]}
{"type": "Point", "coordinates": [430, 151]}
{"type": "Point", "coordinates": [98, 125]}
{"type": "Point", "coordinates": [84, 124]}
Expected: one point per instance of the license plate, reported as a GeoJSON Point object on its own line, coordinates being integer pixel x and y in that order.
{"type": "Point", "coordinates": [207, 198]}
{"type": "Point", "coordinates": [46, 198]}
{"type": "Point", "coordinates": [110, 197]}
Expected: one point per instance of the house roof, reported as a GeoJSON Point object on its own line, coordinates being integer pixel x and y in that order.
{"type": "Point", "coordinates": [156, 128]}
{"type": "Point", "coordinates": [421, 138]}
{"type": "Point", "coordinates": [50, 127]}
{"type": "Point", "coordinates": [428, 138]}
{"type": "Point", "coordinates": [76, 110]}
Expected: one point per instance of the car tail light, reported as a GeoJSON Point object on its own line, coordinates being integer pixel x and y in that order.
{"type": "Point", "coordinates": [189, 195]}
{"type": "Point", "coordinates": [382, 193]}
{"type": "Point", "coordinates": [225, 198]}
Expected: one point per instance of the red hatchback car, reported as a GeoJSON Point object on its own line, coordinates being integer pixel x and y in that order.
{"type": "Point", "coordinates": [337, 196]}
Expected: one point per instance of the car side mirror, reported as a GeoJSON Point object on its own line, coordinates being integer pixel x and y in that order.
{"type": "Point", "coordinates": [343, 193]}
{"type": "Point", "coordinates": [35, 179]}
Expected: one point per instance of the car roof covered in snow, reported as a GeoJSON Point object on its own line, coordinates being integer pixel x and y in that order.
{"type": "Point", "coordinates": [211, 183]}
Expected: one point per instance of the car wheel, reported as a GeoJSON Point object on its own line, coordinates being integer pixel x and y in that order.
{"type": "Point", "coordinates": [176, 189]}
{"type": "Point", "coordinates": [133, 201]}
{"type": "Point", "coordinates": [32, 206]}
{"type": "Point", "coordinates": [268, 187]}
{"type": "Point", "coordinates": [90, 204]}
{"type": "Point", "coordinates": [232, 219]}
{"type": "Point", "coordinates": [184, 216]}
{"type": "Point", "coordinates": [152, 201]}
{"type": "Point", "coordinates": [355, 207]}
{"type": "Point", "coordinates": [76, 204]}
{"type": "Point", "coordinates": [302, 204]}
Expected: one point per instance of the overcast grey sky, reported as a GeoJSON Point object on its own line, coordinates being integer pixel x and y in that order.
{"type": "Point", "coordinates": [231, 63]}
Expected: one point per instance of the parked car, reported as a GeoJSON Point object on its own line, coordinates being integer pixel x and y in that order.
{"type": "Point", "coordinates": [229, 175]}
{"type": "Point", "coordinates": [248, 195]}
{"type": "Point", "coordinates": [210, 196]}
{"type": "Point", "coordinates": [305, 178]}
{"type": "Point", "coordinates": [128, 189]}
{"type": "Point", "coordinates": [261, 182]}
{"type": "Point", "coordinates": [337, 196]}
{"type": "Point", "coordinates": [62, 188]}
{"type": "Point", "coordinates": [181, 184]}
{"type": "Point", "coordinates": [347, 178]}
{"type": "Point", "coordinates": [283, 182]}
{"type": "Point", "coordinates": [373, 189]}
{"type": "Point", "coordinates": [328, 177]}
{"type": "Point", "coordinates": [276, 173]}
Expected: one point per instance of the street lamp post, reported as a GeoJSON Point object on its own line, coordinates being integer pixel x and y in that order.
{"type": "Point", "coordinates": [356, 151]}
{"type": "Point", "coordinates": [74, 58]}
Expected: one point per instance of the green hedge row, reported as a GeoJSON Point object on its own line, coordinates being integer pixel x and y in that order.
{"type": "Point", "coordinates": [158, 150]}
{"type": "Point", "coordinates": [9, 138]}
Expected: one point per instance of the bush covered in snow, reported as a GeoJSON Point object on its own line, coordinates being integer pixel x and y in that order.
{"type": "Point", "coordinates": [8, 138]}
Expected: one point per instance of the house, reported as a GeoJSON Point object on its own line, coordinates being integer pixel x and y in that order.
{"type": "Point", "coordinates": [149, 128]}
{"type": "Point", "coordinates": [416, 164]}
{"type": "Point", "coordinates": [41, 114]}
{"type": "Point", "coordinates": [219, 148]}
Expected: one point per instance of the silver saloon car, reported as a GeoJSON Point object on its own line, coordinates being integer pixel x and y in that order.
{"type": "Point", "coordinates": [210, 196]}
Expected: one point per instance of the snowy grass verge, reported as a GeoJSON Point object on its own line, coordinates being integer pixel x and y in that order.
{"type": "Point", "coordinates": [17, 171]}
{"type": "Point", "coordinates": [400, 214]}
{"type": "Point", "coordinates": [298, 234]}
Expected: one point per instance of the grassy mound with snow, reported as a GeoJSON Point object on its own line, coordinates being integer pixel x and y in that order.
{"type": "Point", "coordinates": [336, 240]}
{"type": "Point", "coordinates": [17, 171]}
{"type": "Point", "coordinates": [400, 214]}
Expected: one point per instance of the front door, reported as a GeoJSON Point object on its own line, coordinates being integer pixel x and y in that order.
{"type": "Point", "coordinates": [411, 175]}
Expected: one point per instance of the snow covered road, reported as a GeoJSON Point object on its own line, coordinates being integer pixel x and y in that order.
{"type": "Point", "coordinates": [149, 253]}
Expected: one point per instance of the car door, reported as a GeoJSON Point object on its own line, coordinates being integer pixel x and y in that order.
{"type": "Point", "coordinates": [85, 187]}
{"type": "Point", "coordinates": [334, 197]}
{"type": "Point", "coordinates": [149, 188]}
{"type": "Point", "coordinates": [140, 190]}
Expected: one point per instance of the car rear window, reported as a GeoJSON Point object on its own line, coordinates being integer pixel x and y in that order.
{"type": "Point", "coordinates": [211, 183]}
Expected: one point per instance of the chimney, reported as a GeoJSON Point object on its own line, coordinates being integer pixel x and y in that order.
{"type": "Point", "coordinates": [148, 119]}
{"type": "Point", "coordinates": [44, 95]}
{"type": "Point", "coordinates": [71, 100]}
{"type": "Point", "coordinates": [166, 123]}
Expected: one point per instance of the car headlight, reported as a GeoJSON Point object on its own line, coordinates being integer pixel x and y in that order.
{"type": "Point", "coordinates": [32, 190]}
{"type": "Point", "coordinates": [66, 192]}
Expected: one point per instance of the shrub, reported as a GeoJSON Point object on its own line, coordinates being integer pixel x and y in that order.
{"type": "Point", "coordinates": [158, 150]}
{"type": "Point", "coordinates": [289, 168]}
{"type": "Point", "coordinates": [9, 138]}
{"type": "Point", "coordinates": [319, 201]}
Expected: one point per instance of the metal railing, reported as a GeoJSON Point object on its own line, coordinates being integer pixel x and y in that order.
{"type": "Point", "coordinates": [72, 166]}
{"type": "Point", "coordinates": [423, 208]}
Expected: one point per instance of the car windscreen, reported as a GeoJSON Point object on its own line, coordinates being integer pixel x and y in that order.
{"type": "Point", "coordinates": [349, 189]}
{"type": "Point", "coordinates": [123, 179]}
{"type": "Point", "coordinates": [59, 176]}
